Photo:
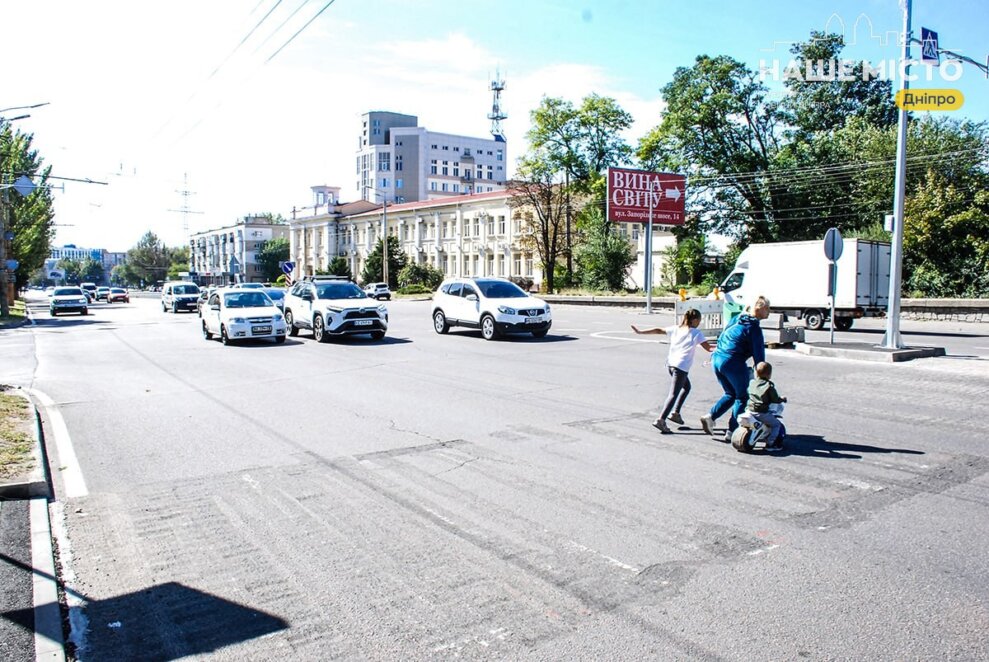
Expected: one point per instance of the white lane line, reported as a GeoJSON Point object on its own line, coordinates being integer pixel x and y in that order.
{"type": "Point", "coordinates": [69, 470]}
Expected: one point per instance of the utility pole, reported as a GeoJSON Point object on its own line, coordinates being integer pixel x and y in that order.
{"type": "Point", "coordinates": [184, 209]}
{"type": "Point", "coordinates": [384, 237]}
{"type": "Point", "coordinates": [892, 338]}
{"type": "Point", "coordinates": [4, 303]}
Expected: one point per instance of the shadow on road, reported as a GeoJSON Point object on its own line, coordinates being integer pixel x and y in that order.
{"type": "Point", "coordinates": [513, 337]}
{"type": "Point", "coordinates": [943, 334]}
{"type": "Point", "coordinates": [162, 622]}
{"type": "Point", "coordinates": [61, 322]}
{"type": "Point", "coordinates": [817, 446]}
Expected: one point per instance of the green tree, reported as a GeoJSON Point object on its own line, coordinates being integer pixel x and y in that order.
{"type": "Point", "coordinates": [539, 200]}
{"type": "Point", "coordinates": [420, 274]}
{"type": "Point", "coordinates": [338, 266]}
{"type": "Point", "coordinates": [371, 273]}
{"type": "Point", "coordinates": [269, 255]}
{"type": "Point", "coordinates": [178, 262]}
{"type": "Point", "coordinates": [91, 271]}
{"type": "Point", "coordinates": [149, 260]}
{"type": "Point", "coordinates": [30, 218]}
{"type": "Point", "coordinates": [604, 256]}
{"type": "Point", "coordinates": [71, 270]}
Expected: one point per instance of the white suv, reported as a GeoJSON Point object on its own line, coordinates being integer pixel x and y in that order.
{"type": "Point", "coordinates": [378, 291]}
{"type": "Point", "coordinates": [333, 307]}
{"type": "Point", "coordinates": [179, 295]}
{"type": "Point", "coordinates": [495, 305]}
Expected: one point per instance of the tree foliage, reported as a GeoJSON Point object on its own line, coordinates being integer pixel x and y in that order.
{"type": "Point", "coordinates": [372, 272]}
{"type": "Point", "coordinates": [71, 270]}
{"type": "Point", "coordinates": [29, 217]}
{"type": "Point", "coordinates": [91, 271]}
{"type": "Point", "coordinates": [604, 256]}
{"type": "Point", "coordinates": [338, 266]}
{"type": "Point", "coordinates": [539, 201]}
{"type": "Point", "coordinates": [148, 261]}
{"type": "Point", "coordinates": [420, 274]}
{"type": "Point", "coordinates": [270, 254]}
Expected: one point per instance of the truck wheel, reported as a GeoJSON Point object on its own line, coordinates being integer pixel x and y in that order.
{"type": "Point", "coordinates": [814, 319]}
{"type": "Point", "coordinates": [842, 323]}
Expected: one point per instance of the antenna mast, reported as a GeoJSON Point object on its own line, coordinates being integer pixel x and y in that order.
{"type": "Point", "coordinates": [184, 209]}
{"type": "Point", "coordinates": [497, 115]}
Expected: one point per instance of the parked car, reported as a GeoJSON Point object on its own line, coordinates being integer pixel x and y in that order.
{"type": "Point", "coordinates": [378, 291]}
{"type": "Point", "coordinates": [496, 306]}
{"type": "Point", "coordinates": [179, 295]}
{"type": "Point", "coordinates": [240, 314]}
{"type": "Point", "coordinates": [203, 297]}
{"type": "Point", "coordinates": [101, 293]}
{"type": "Point", "coordinates": [277, 295]}
{"type": "Point", "coordinates": [333, 307]}
{"type": "Point", "coordinates": [68, 300]}
{"type": "Point", "coordinates": [249, 286]}
{"type": "Point", "coordinates": [117, 294]}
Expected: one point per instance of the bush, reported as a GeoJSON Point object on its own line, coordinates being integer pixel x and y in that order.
{"type": "Point", "coordinates": [420, 274]}
{"type": "Point", "coordinates": [415, 288]}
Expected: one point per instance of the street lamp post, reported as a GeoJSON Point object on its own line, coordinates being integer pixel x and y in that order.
{"type": "Point", "coordinates": [384, 238]}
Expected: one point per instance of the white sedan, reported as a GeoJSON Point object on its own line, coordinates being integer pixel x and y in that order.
{"type": "Point", "coordinates": [241, 314]}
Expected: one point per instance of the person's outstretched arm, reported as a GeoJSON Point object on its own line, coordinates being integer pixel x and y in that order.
{"type": "Point", "coordinates": [648, 331]}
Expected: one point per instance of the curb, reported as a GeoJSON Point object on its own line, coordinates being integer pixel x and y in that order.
{"type": "Point", "coordinates": [865, 352]}
{"type": "Point", "coordinates": [36, 484]}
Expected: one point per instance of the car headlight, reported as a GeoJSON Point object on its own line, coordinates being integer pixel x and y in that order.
{"type": "Point", "coordinates": [278, 317]}
{"type": "Point", "coordinates": [237, 320]}
{"type": "Point", "coordinates": [547, 307]}
{"type": "Point", "coordinates": [382, 309]}
{"type": "Point", "coordinates": [81, 301]}
{"type": "Point", "coordinates": [507, 311]}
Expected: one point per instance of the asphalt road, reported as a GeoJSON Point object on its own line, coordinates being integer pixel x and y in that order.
{"type": "Point", "coordinates": [443, 496]}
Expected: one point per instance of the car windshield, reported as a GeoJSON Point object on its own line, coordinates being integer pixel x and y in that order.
{"type": "Point", "coordinates": [500, 289]}
{"type": "Point", "coordinates": [251, 286]}
{"type": "Point", "coordinates": [339, 291]}
{"type": "Point", "coordinates": [118, 290]}
{"type": "Point", "coordinates": [68, 292]}
{"type": "Point", "coordinates": [275, 295]}
{"type": "Point", "coordinates": [185, 289]}
{"type": "Point", "coordinates": [246, 300]}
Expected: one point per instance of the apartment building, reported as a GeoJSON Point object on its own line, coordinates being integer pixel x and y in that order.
{"type": "Point", "coordinates": [400, 161]}
{"type": "Point", "coordinates": [229, 254]}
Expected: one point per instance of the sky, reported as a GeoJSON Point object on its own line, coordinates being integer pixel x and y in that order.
{"type": "Point", "coordinates": [246, 104]}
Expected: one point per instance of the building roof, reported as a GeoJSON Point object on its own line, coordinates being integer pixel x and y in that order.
{"type": "Point", "coordinates": [439, 202]}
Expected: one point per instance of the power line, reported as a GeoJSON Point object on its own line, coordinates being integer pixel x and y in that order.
{"type": "Point", "coordinates": [325, 7]}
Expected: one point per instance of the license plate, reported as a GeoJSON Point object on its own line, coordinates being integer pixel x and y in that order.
{"type": "Point", "coordinates": [363, 322]}
{"type": "Point", "coordinates": [532, 320]}
{"type": "Point", "coordinates": [257, 330]}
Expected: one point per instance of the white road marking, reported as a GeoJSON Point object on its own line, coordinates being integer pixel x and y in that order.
{"type": "Point", "coordinates": [71, 473]}
{"type": "Point", "coordinates": [607, 558]}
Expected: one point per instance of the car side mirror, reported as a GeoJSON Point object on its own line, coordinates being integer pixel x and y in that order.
{"type": "Point", "coordinates": [471, 297]}
{"type": "Point", "coordinates": [215, 306]}
{"type": "Point", "coordinates": [307, 296]}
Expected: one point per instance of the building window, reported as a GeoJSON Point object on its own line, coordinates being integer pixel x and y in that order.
{"type": "Point", "coordinates": [490, 225]}
{"type": "Point", "coordinates": [528, 265]}
{"type": "Point", "coordinates": [477, 228]}
{"type": "Point", "coordinates": [456, 169]}
{"type": "Point", "coordinates": [517, 271]}
{"type": "Point", "coordinates": [433, 146]}
{"type": "Point", "coordinates": [399, 182]}
{"type": "Point", "coordinates": [398, 162]}
{"type": "Point", "coordinates": [384, 161]}
{"type": "Point", "coordinates": [501, 155]}
{"type": "Point", "coordinates": [432, 167]}
{"type": "Point", "coordinates": [446, 187]}
{"type": "Point", "coordinates": [456, 188]}
{"type": "Point", "coordinates": [456, 149]}
{"type": "Point", "coordinates": [432, 186]}
{"type": "Point", "coordinates": [501, 225]}
{"type": "Point", "coordinates": [384, 182]}
{"type": "Point", "coordinates": [399, 143]}
{"type": "Point", "coordinates": [446, 170]}
{"type": "Point", "coordinates": [490, 269]}
{"type": "Point", "coordinates": [358, 165]}
{"type": "Point", "coordinates": [480, 172]}
{"type": "Point", "coordinates": [490, 175]}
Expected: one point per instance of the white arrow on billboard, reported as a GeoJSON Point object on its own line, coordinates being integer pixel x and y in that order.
{"type": "Point", "coordinates": [673, 193]}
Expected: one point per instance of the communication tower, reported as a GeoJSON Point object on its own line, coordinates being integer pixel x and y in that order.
{"type": "Point", "coordinates": [497, 114]}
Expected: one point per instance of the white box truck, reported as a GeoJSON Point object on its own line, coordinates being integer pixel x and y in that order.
{"type": "Point", "coordinates": [794, 277]}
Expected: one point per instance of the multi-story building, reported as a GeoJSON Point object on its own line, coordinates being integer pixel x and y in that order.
{"type": "Point", "coordinates": [72, 252]}
{"type": "Point", "coordinates": [399, 161]}
{"type": "Point", "coordinates": [229, 254]}
{"type": "Point", "coordinates": [473, 235]}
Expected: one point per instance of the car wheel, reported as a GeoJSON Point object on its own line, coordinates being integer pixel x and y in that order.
{"type": "Point", "coordinates": [439, 322]}
{"type": "Point", "coordinates": [224, 338]}
{"type": "Point", "coordinates": [175, 308]}
{"type": "Point", "coordinates": [377, 335]}
{"type": "Point", "coordinates": [318, 330]}
{"type": "Point", "coordinates": [85, 311]}
{"type": "Point", "coordinates": [842, 323]}
{"type": "Point", "coordinates": [488, 329]}
{"type": "Point", "coordinates": [164, 308]}
{"type": "Point", "coordinates": [53, 313]}
{"type": "Point", "coordinates": [290, 323]}
{"type": "Point", "coordinates": [206, 333]}
{"type": "Point", "coordinates": [814, 319]}
{"type": "Point", "coordinates": [279, 340]}
{"type": "Point", "coordinates": [540, 333]}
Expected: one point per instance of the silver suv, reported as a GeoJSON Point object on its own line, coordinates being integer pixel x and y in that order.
{"type": "Point", "coordinates": [496, 306]}
{"type": "Point", "coordinates": [333, 307]}
{"type": "Point", "coordinates": [179, 295]}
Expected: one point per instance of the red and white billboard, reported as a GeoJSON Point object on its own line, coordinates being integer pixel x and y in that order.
{"type": "Point", "coordinates": [631, 194]}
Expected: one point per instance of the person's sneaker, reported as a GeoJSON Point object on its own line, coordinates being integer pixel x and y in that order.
{"type": "Point", "coordinates": [661, 425]}
{"type": "Point", "coordinates": [676, 418]}
{"type": "Point", "coordinates": [707, 423]}
{"type": "Point", "coordinates": [727, 438]}
{"type": "Point", "coordinates": [776, 446]}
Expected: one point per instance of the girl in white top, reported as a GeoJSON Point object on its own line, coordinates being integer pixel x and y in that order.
{"type": "Point", "coordinates": [684, 340]}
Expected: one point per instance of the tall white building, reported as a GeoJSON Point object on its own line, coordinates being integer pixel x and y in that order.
{"type": "Point", "coordinates": [399, 161]}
